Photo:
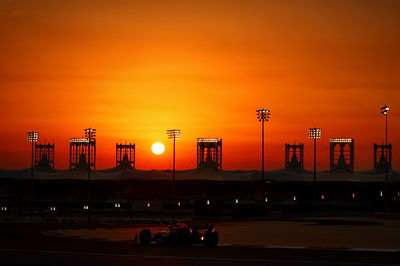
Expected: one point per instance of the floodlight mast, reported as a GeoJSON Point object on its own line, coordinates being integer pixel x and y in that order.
{"type": "Point", "coordinates": [385, 111]}
{"type": "Point", "coordinates": [32, 137]}
{"type": "Point", "coordinates": [315, 133]}
{"type": "Point", "coordinates": [173, 134]}
{"type": "Point", "coordinates": [263, 115]}
{"type": "Point", "coordinates": [90, 134]}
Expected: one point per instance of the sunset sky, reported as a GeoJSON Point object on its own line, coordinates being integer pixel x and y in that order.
{"type": "Point", "coordinates": [133, 69]}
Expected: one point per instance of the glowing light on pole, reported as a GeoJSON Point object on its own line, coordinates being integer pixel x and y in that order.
{"type": "Point", "coordinates": [32, 137]}
{"type": "Point", "coordinates": [90, 134]}
{"type": "Point", "coordinates": [384, 110]}
{"type": "Point", "coordinates": [173, 134]}
{"type": "Point", "coordinates": [315, 133]}
{"type": "Point", "coordinates": [263, 116]}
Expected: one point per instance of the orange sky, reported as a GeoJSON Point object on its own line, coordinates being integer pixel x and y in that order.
{"type": "Point", "coordinates": [133, 70]}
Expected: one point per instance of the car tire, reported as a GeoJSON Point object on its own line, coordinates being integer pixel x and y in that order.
{"type": "Point", "coordinates": [211, 239]}
{"type": "Point", "coordinates": [145, 237]}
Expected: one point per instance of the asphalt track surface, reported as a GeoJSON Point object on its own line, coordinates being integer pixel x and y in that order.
{"type": "Point", "coordinates": [24, 244]}
{"type": "Point", "coordinates": [321, 232]}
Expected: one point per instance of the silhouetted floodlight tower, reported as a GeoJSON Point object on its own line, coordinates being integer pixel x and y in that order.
{"type": "Point", "coordinates": [125, 155]}
{"type": "Point", "coordinates": [294, 156]}
{"type": "Point", "coordinates": [341, 153]}
{"type": "Point", "coordinates": [263, 116]}
{"type": "Point", "coordinates": [44, 156]}
{"type": "Point", "coordinates": [384, 111]}
{"type": "Point", "coordinates": [90, 134]}
{"type": "Point", "coordinates": [173, 134]}
{"type": "Point", "coordinates": [32, 137]}
{"type": "Point", "coordinates": [315, 133]}
{"type": "Point", "coordinates": [380, 153]}
{"type": "Point", "coordinates": [209, 153]}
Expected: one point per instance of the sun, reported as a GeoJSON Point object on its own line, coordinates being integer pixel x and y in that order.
{"type": "Point", "coordinates": [158, 148]}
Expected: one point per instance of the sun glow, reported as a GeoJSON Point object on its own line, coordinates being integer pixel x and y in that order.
{"type": "Point", "coordinates": [158, 148]}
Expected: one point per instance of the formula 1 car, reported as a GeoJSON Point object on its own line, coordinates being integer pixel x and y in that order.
{"type": "Point", "coordinates": [182, 235]}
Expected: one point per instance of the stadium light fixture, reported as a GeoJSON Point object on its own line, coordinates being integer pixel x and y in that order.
{"type": "Point", "coordinates": [263, 116]}
{"type": "Point", "coordinates": [315, 133]}
{"type": "Point", "coordinates": [32, 137]}
{"type": "Point", "coordinates": [173, 134]}
{"type": "Point", "coordinates": [90, 134]}
{"type": "Point", "coordinates": [385, 110]}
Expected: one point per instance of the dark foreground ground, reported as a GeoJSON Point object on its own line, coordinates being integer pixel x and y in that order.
{"type": "Point", "coordinates": [24, 244]}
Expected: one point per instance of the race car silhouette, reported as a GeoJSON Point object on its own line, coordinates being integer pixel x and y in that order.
{"type": "Point", "coordinates": [182, 235]}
